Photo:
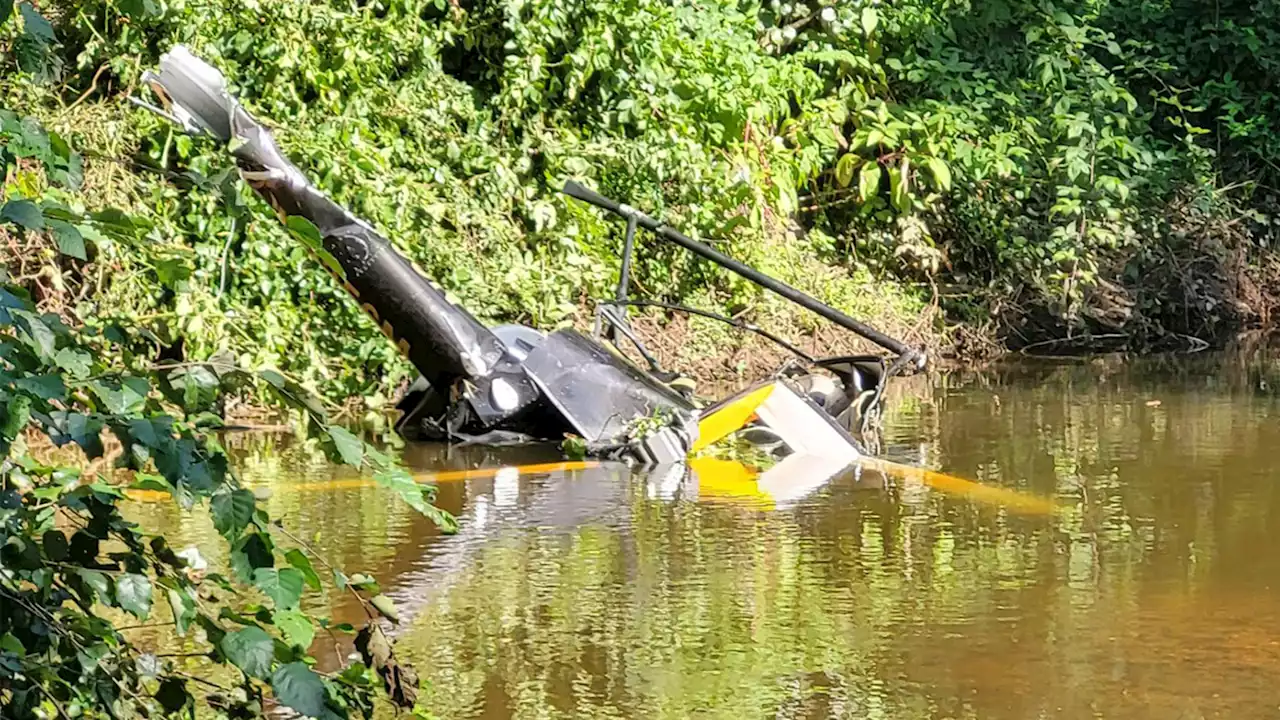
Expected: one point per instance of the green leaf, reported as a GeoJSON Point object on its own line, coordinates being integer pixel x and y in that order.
{"type": "Point", "coordinates": [45, 387]}
{"type": "Point", "coordinates": [138, 8]}
{"type": "Point", "coordinates": [941, 173]}
{"type": "Point", "coordinates": [35, 57]}
{"type": "Point", "coordinates": [127, 396]}
{"type": "Point", "coordinates": [870, 19]}
{"type": "Point", "coordinates": [232, 512]}
{"type": "Point", "coordinates": [70, 241]}
{"type": "Point", "coordinates": [360, 581]}
{"type": "Point", "coordinates": [292, 393]}
{"type": "Point", "coordinates": [172, 271]}
{"type": "Point", "coordinates": [416, 495]}
{"type": "Point", "coordinates": [133, 594]}
{"type": "Point", "coordinates": [184, 609]}
{"type": "Point", "coordinates": [299, 560]}
{"type": "Point", "coordinates": [99, 582]}
{"type": "Point", "coordinates": [9, 301]}
{"type": "Point", "coordinates": [350, 448]}
{"type": "Point", "coordinates": [869, 181]}
{"type": "Point", "coordinates": [6, 10]}
{"type": "Point", "coordinates": [150, 432]}
{"type": "Point", "coordinates": [35, 24]}
{"type": "Point", "coordinates": [251, 650]}
{"type": "Point", "coordinates": [17, 414]}
{"type": "Point", "coordinates": [284, 587]}
{"type": "Point", "coordinates": [249, 554]}
{"type": "Point", "coordinates": [40, 336]}
{"type": "Point", "coordinates": [24, 213]}
{"type": "Point", "coordinates": [385, 606]}
{"type": "Point", "coordinates": [297, 687]}
{"type": "Point", "coordinates": [296, 628]}
{"type": "Point", "coordinates": [117, 223]}
{"type": "Point", "coordinates": [845, 168]}
{"type": "Point", "coordinates": [302, 229]}
{"type": "Point", "coordinates": [73, 361]}
{"type": "Point", "coordinates": [899, 186]}
{"type": "Point", "coordinates": [9, 643]}
{"type": "Point", "coordinates": [86, 432]}
{"type": "Point", "coordinates": [278, 381]}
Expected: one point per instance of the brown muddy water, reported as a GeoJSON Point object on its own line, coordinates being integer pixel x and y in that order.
{"type": "Point", "coordinates": [602, 593]}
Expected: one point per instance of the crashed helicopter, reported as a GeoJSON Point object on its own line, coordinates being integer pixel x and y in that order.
{"type": "Point", "coordinates": [512, 383]}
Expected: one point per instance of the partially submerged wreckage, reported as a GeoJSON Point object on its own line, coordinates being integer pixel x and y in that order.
{"type": "Point", "coordinates": [511, 383]}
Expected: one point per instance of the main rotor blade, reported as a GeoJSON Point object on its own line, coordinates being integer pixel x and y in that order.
{"type": "Point", "coordinates": [990, 494]}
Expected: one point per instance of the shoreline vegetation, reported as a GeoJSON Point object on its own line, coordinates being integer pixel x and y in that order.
{"type": "Point", "coordinates": [1097, 178]}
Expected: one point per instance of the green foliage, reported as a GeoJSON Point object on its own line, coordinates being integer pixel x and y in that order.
{"type": "Point", "coordinates": [70, 562]}
{"type": "Point", "coordinates": [449, 130]}
{"type": "Point", "coordinates": [1020, 148]}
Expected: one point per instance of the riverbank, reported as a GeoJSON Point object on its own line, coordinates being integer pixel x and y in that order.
{"type": "Point", "coordinates": [971, 201]}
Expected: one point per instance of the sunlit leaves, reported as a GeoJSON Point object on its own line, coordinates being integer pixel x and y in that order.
{"type": "Point", "coordinates": [183, 607]}
{"type": "Point", "coordinates": [296, 627]}
{"type": "Point", "coordinates": [76, 362]}
{"type": "Point", "coordinates": [899, 186]}
{"type": "Point", "coordinates": [869, 181]}
{"type": "Point", "coordinates": [72, 383]}
{"type": "Point", "coordinates": [870, 19]}
{"type": "Point", "coordinates": [11, 644]}
{"type": "Point", "coordinates": [845, 168]}
{"type": "Point", "coordinates": [123, 396]}
{"type": "Point", "coordinates": [172, 272]}
{"type": "Point", "coordinates": [99, 582]}
{"type": "Point", "coordinates": [302, 564]}
{"type": "Point", "coordinates": [292, 393]}
{"type": "Point", "coordinates": [416, 496]}
{"type": "Point", "coordinates": [139, 8]}
{"type": "Point", "coordinates": [37, 333]}
{"type": "Point", "coordinates": [198, 384]}
{"type": "Point", "coordinates": [133, 594]}
{"type": "Point", "coordinates": [349, 447]}
{"type": "Point", "coordinates": [303, 229]}
{"type": "Point", "coordinates": [941, 173]}
{"type": "Point", "coordinates": [16, 414]}
{"type": "Point", "coordinates": [385, 606]}
{"type": "Point", "coordinates": [283, 586]}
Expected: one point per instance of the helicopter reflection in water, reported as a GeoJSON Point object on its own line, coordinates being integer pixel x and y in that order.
{"type": "Point", "coordinates": [562, 497]}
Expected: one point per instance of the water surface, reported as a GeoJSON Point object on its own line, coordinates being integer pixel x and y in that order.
{"type": "Point", "coordinates": [603, 593]}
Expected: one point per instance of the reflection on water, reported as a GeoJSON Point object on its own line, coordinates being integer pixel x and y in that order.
{"type": "Point", "coordinates": [602, 593]}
